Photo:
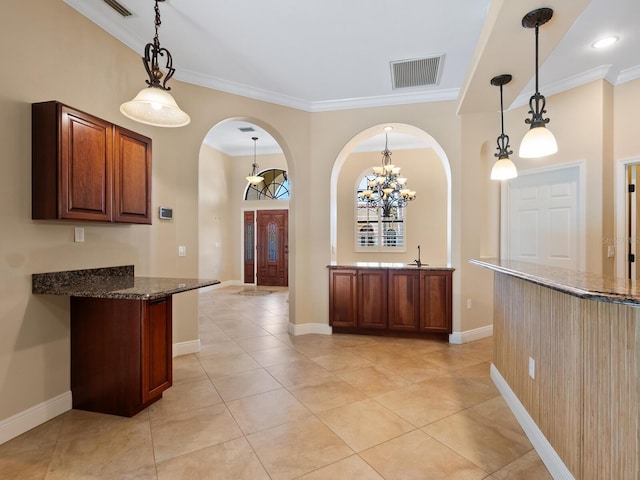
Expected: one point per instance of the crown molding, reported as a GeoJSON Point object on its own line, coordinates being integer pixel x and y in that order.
{"type": "Point", "coordinates": [628, 75]}
{"type": "Point", "coordinates": [597, 73]}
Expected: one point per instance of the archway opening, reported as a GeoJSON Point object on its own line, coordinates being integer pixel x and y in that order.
{"type": "Point", "coordinates": [227, 154]}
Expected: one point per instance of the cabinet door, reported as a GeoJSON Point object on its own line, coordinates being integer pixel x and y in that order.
{"type": "Point", "coordinates": [132, 177]}
{"type": "Point", "coordinates": [435, 302]}
{"type": "Point", "coordinates": [156, 348]}
{"type": "Point", "coordinates": [372, 298]}
{"type": "Point", "coordinates": [342, 298]}
{"type": "Point", "coordinates": [404, 300]}
{"type": "Point", "coordinates": [85, 174]}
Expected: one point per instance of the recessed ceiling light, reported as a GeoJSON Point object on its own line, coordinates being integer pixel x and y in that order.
{"type": "Point", "coordinates": [605, 42]}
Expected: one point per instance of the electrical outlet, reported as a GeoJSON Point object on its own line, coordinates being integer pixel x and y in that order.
{"type": "Point", "coordinates": [469, 304]}
{"type": "Point", "coordinates": [78, 235]}
{"type": "Point", "coordinates": [182, 251]}
{"type": "Point", "coordinates": [532, 368]}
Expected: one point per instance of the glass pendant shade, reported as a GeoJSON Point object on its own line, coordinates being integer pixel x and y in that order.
{"type": "Point", "coordinates": [254, 179]}
{"type": "Point", "coordinates": [538, 142]}
{"type": "Point", "coordinates": [504, 169]}
{"type": "Point", "coordinates": [155, 106]}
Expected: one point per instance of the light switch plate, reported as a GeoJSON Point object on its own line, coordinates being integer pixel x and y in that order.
{"type": "Point", "coordinates": [182, 251]}
{"type": "Point", "coordinates": [78, 235]}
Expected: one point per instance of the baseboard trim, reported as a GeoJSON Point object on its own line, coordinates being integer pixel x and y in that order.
{"type": "Point", "coordinates": [471, 335]}
{"type": "Point", "coordinates": [24, 421]}
{"type": "Point", "coordinates": [307, 328]}
{"type": "Point", "coordinates": [548, 455]}
{"type": "Point", "coordinates": [185, 348]}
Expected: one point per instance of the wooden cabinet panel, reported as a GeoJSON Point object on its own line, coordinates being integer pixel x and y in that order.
{"type": "Point", "coordinates": [435, 302]}
{"type": "Point", "coordinates": [404, 300]}
{"type": "Point", "coordinates": [372, 298]}
{"type": "Point", "coordinates": [132, 177]}
{"type": "Point", "coordinates": [85, 168]}
{"type": "Point", "coordinates": [156, 348]}
{"type": "Point", "coordinates": [120, 353]}
{"type": "Point", "coordinates": [342, 298]}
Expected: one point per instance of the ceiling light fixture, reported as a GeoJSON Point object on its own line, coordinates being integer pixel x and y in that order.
{"type": "Point", "coordinates": [504, 168]}
{"type": "Point", "coordinates": [538, 141]}
{"type": "Point", "coordinates": [387, 190]}
{"type": "Point", "coordinates": [254, 178]}
{"type": "Point", "coordinates": [154, 105]}
{"type": "Point", "coordinates": [605, 42]}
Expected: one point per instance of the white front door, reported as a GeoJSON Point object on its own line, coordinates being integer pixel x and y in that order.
{"type": "Point", "coordinates": [543, 215]}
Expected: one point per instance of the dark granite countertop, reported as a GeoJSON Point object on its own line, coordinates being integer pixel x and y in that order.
{"type": "Point", "coordinates": [573, 282]}
{"type": "Point", "coordinates": [112, 282]}
{"type": "Point", "coordinates": [389, 265]}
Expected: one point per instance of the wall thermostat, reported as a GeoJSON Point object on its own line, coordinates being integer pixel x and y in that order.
{"type": "Point", "coordinates": [166, 213]}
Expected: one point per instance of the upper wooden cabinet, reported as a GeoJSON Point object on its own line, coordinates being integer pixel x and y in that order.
{"type": "Point", "coordinates": [85, 168]}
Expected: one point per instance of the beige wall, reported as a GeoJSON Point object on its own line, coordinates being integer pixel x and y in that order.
{"type": "Point", "coordinates": [61, 55]}
{"type": "Point", "coordinates": [426, 216]}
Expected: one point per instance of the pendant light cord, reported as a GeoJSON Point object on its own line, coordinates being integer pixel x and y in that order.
{"type": "Point", "coordinates": [501, 113]}
{"type": "Point", "coordinates": [158, 22]}
{"type": "Point", "coordinates": [537, 28]}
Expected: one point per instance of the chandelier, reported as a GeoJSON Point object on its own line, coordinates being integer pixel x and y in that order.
{"type": "Point", "coordinates": [387, 190]}
{"type": "Point", "coordinates": [154, 105]}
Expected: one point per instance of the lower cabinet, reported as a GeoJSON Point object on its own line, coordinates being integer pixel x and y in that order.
{"type": "Point", "coordinates": [407, 302]}
{"type": "Point", "coordinates": [121, 359]}
{"type": "Point", "coordinates": [371, 299]}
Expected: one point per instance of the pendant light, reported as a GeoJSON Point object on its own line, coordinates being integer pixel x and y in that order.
{"type": "Point", "coordinates": [538, 141]}
{"type": "Point", "coordinates": [154, 105]}
{"type": "Point", "coordinates": [254, 178]}
{"type": "Point", "coordinates": [504, 168]}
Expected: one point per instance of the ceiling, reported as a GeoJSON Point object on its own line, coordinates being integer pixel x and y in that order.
{"type": "Point", "coordinates": [337, 54]}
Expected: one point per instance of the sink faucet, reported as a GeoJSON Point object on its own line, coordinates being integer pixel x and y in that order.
{"type": "Point", "coordinates": [418, 262]}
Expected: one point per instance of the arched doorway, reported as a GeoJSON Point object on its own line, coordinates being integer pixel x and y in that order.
{"type": "Point", "coordinates": [226, 157]}
{"type": "Point", "coordinates": [404, 133]}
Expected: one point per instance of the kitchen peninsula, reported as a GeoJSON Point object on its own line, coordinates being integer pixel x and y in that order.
{"type": "Point", "coordinates": [567, 361]}
{"type": "Point", "coordinates": [393, 299]}
{"type": "Point", "coordinates": [121, 334]}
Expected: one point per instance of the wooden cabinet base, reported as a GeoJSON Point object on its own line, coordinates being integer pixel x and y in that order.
{"type": "Point", "coordinates": [398, 302]}
{"type": "Point", "coordinates": [121, 359]}
{"type": "Point", "coordinates": [391, 333]}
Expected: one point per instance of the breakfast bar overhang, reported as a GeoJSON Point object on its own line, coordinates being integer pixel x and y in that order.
{"type": "Point", "coordinates": [567, 361]}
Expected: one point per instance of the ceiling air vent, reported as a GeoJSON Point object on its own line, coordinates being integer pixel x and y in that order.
{"type": "Point", "coordinates": [118, 7]}
{"type": "Point", "coordinates": [417, 72]}
{"type": "Point", "coordinates": [246, 129]}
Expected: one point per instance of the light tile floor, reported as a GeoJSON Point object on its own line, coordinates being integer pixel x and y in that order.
{"type": "Point", "coordinates": [257, 403]}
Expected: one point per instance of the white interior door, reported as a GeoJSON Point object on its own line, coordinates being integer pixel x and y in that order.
{"type": "Point", "coordinates": [543, 217]}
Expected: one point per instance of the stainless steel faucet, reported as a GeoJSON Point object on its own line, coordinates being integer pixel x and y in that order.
{"type": "Point", "coordinates": [418, 262]}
